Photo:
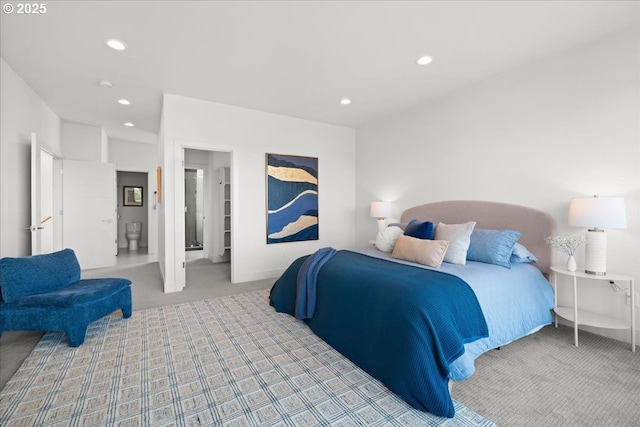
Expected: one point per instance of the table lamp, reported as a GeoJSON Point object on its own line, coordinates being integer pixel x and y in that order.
{"type": "Point", "coordinates": [597, 213]}
{"type": "Point", "coordinates": [380, 210]}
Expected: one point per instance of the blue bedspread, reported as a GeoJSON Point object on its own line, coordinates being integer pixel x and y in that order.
{"type": "Point", "coordinates": [403, 325]}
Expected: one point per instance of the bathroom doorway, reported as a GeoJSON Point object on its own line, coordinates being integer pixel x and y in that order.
{"type": "Point", "coordinates": [133, 210]}
{"type": "Point", "coordinates": [194, 209]}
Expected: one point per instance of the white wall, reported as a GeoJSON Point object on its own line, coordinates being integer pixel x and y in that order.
{"type": "Point", "coordinates": [538, 135]}
{"type": "Point", "coordinates": [84, 142]}
{"type": "Point", "coordinates": [134, 156]}
{"type": "Point", "coordinates": [104, 147]}
{"type": "Point", "coordinates": [249, 134]}
{"type": "Point", "coordinates": [21, 113]}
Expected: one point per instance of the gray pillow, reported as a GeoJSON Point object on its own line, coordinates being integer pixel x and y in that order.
{"type": "Point", "coordinates": [459, 238]}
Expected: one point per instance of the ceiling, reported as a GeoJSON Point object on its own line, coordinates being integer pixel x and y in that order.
{"type": "Point", "coordinates": [294, 58]}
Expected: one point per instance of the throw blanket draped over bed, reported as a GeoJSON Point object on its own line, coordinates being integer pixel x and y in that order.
{"type": "Point", "coordinates": [403, 325]}
{"type": "Point", "coordinates": [308, 281]}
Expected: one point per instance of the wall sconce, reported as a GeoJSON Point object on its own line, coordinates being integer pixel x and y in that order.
{"type": "Point", "coordinates": [380, 210]}
{"type": "Point", "coordinates": [597, 213]}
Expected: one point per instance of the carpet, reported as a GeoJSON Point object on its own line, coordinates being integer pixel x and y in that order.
{"type": "Point", "coordinates": [228, 361]}
{"type": "Point", "coordinates": [544, 380]}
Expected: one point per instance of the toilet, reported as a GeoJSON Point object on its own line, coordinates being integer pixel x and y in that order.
{"type": "Point", "coordinates": [133, 230]}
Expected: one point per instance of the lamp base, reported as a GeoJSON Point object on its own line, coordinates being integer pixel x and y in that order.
{"type": "Point", "coordinates": [596, 273]}
{"type": "Point", "coordinates": [596, 252]}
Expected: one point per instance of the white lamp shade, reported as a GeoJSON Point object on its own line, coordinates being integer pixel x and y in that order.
{"type": "Point", "coordinates": [380, 210]}
{"type": "Point", "coordinates": [597, 212]}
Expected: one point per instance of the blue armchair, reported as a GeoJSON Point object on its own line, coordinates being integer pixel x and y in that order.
{"type": "Point", "coordinates": [45, 293]}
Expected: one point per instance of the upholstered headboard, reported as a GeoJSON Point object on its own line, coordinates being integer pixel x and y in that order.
{"type": "Point", "coordinates": [534, 225]}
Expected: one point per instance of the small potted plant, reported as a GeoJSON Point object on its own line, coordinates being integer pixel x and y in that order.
{"type": "Point", "coordinates": [567, 243]}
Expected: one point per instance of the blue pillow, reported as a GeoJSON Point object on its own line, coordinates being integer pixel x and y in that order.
{"type": "Point", "coordinates": [420, 230]}
{"type": "Point", "coordinates": [492, 246]}
{"type": "Point", "coordinates": [521, 255]}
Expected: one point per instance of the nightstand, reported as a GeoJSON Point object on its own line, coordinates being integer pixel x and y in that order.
{"type": "Point", "coordinates": [583, 317]}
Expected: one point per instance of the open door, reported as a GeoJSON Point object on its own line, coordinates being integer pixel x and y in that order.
{"type": "Point", "coordinates": [89, 212]}
{"type": "Point", "coordinates": [45, 226]}
{"type": "Point", "coordinates": [35, 228]}
{"type": "Point", "coordinates": [180, 258]}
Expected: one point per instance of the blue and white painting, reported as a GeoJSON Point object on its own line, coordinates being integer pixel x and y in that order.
{"type": "Point", "coordinates": [292, 198]}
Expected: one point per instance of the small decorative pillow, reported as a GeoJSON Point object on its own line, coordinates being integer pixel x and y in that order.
{"type": "Point", "coordinates": [459, 237]}
{"type": "Point", "coordinates": [386, 239]}
{"type": "Point", "coordinates": [521, 255]}
{"type": "Point", "coordinates": [423, 251]}
{"type": "Point", "coordinates": [420, 230]}
{"type": "Point", "coordinates": [492, 246]}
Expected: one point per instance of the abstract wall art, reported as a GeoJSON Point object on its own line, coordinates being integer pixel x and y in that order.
{"type": "Point", "coordinates": [292, 198]}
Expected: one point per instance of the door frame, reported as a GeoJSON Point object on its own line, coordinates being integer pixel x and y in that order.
{"type": "Point", "coordinates": [179, 225]}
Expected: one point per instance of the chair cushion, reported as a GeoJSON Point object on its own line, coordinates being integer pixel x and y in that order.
{"type": "Point", "coordinates": [75, 294]}
{"type": "Point", "coordinates": [31, 275]}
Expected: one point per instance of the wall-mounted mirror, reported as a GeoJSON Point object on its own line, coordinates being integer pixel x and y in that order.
{"type": "Point", "coordinates": [132, 196]}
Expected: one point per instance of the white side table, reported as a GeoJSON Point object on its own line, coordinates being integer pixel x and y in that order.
{"type": "Point", "coordinates": [583, 317]}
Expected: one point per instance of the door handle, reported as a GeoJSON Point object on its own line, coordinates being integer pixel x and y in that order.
{"type": "Point", "coordinates": [34, 228]}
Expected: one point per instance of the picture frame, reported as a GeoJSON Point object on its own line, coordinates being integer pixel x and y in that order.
{"type": "Point", "coordinates": [292, 198]}
{"type": "Point", "coordinates": [132, 196]}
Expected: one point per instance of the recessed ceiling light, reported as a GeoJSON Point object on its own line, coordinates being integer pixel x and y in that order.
{"type": "Point", "coordinates": [124, 101]}
{"type": "Point", "coordinates": [116, 44]}
{"type": "Point", "coordinates": [105, 84]}
{"type": "Point", "coordinates": [424, 60]}
{"type": "Point", "coordinates": [345, 101]}
{"type": "Point", "coordinates": [129, 124]}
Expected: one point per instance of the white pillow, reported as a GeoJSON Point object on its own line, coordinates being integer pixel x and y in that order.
{"type": "Point", "coordinates": [459, 238]}
{"type": "Point", "coordinates": [386, 239]}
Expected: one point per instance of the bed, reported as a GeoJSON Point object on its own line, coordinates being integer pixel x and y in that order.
{"type": "Point", "coordinates": [416, 327]}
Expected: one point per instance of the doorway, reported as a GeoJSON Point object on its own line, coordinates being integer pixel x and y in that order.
{"type": "Point", "coordinates": [194, 209]}
{"type": "Point", "coordinates": [133, 211]}
{"type": "Point", "coordinates": [204, 229]}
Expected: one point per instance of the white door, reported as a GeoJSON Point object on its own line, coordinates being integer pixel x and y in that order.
{"type": "Point", "coordinates": [49, 198]}
{"type": "Point", "coordinates": [89, 212]}
{"type": "Point", "coordinates": [46, 226]}
{"type": "Point", "coordinates": [180, 258]}
{"type": "Point", "coordinates": [35, 228]}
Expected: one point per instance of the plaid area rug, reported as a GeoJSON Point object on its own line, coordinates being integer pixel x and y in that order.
{"type": "Point", "coordinates": [229, 361]}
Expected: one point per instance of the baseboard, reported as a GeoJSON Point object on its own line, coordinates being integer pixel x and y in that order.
{"type": "Point", "coordinates": [252, 276]}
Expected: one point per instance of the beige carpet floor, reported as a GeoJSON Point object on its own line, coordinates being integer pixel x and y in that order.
{"type": "Point", "coordinates": [544, 380]}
